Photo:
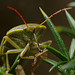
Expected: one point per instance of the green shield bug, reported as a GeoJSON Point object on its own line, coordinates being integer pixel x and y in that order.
{"type": "Point", "coordinates": [23, 39]}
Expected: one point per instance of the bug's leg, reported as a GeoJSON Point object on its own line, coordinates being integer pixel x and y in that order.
{"type": "Point", "coordinates": [35, 60]}
{"type": "Point", "coordinates": [7, 39]}
{"type": "Point", "coordinates": [11, 52]}
{"type": "Point", "coordinates": [2, 43]}
{"type": "Point", "coordinates": [37, 42]}
{"type": "Point", "coordinates": [42, 45]}
{"type": "Point", "coordinates": [35, 67]}
{"type": "Point", "coordinates": [49, 42]}
{"type": "Point", "coordinates": [24, 50]}
{"type": "Point", "coordinates": [2, 48]}
{"type": "Point", "coordinates": [35, 56]}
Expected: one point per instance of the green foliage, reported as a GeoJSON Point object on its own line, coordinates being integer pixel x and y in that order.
{"type": "Point", "coordinates": [67, 64]}
{"type": "Point", "coordinates": [66, 30]}
{"type": "Point", "coordinates": [56, 35]}
{"type": "Point", "coordinates": [3, 70]}
{"type": "Point", "coordinates": [50, 61]}
{"type": "Point", "coordinates": [57, 65]}
{"type": "Point", "coordinates": [72, 25]}
{"type": "Point", "coordinates": [72, 49]}
{"type": "Point", "coordinates": [56, 53]}
{"type": "Point", "coordinates": [70, 20]}
{"type": "Point", "coordinates": [17, 60]}
{"type": "Point", "coordinates": [72, 4]}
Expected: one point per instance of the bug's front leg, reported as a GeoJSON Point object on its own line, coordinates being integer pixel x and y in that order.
{"type": "Point", "coordinates": [4, 40]}
{"type": "Point", "coordinates": [49, 42]}
{"type": "Point", "coordinates": [7, 39]}
{"type": "Point", "coordinates": [38, 45]}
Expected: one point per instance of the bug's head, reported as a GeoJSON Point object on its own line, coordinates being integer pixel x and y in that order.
{"type": "Point", "coordinates": [34, 29]}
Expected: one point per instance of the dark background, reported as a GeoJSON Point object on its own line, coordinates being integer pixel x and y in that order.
{"type": "Point", "coordinates": [31, 13]}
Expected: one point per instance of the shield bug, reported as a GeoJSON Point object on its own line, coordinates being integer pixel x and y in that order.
{"type": "Point", "coordinates": [23, 39]}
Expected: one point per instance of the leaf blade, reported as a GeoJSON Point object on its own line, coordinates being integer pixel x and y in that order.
{"type": "Point", "coordinates": [56, 65]}
{"type": "Point", "coordinates": [70, 20]}
{"type": "Point", "coordinates": [72, 4]}
{"type": "Point", "coordinates": [50, 61]}
{"type": "Point", "coordinates": [56, 35]}
{"type": "Point", "coordinates": [69, 66]}
{"type": "Point", "coordinates": [66, 31]}
{"type": "Point", "coordinates": [72, 49]}
{"type": "Point", "coordinates": [56, 53]}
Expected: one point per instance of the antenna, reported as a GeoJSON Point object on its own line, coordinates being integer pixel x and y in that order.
{"type": "Point", "coordinates": [54, 14]}
{"type": "Point", "coordinates": [19, 15]}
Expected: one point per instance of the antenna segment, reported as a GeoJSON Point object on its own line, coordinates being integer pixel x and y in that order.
{"type": "Point", "coordinates": [55, 14]}
{"type": "Point", "coordinates": [19, 15]}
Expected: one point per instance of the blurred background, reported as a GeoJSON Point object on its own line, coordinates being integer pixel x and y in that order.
{"type": "Point", "coordinates": [31, 13]}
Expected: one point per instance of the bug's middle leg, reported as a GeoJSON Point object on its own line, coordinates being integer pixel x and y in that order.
{"type": "Point", "coordinates": [35, 56]}
{"type": "Point", "coordinates": [35, 60]}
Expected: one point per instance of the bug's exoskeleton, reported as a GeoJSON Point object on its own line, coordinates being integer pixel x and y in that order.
{"type": "Point", "coordinates": [23, 39]}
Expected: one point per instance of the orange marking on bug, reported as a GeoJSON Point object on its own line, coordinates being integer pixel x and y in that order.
{"type": "Point", "coordinates": [19, 15]}
{"type": "Point", "coordinates": [55, 14]}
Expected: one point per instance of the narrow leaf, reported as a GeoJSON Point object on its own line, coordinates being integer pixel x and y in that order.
{"type": "Point", "coordinates": [15, 64]}
{"type": "Point", "coordinates": [70, 20]}
{"type": "Point", "coordinates": [62, 72]}
{"type": "Point", "coordinates": [56, 53]}
{"type": "Point", "coordinates": [66, 31]}
{"type": "Point", "coordinates": [69, 66]}
{"type": "Point", "coordinates": [72, 72]}
{"type": "Point", "coordinates": [56, 35]}
{"type": "Point", "coordinates": [56, 65]}
{"type": "Point", "coordinates": [72, 49]}
{"type": "Point", "coordinates": [70, 33]}
{"type": "Point", "coordinates": [72, 4]}
{"type": "Point", "coordinates": [50, 61]}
